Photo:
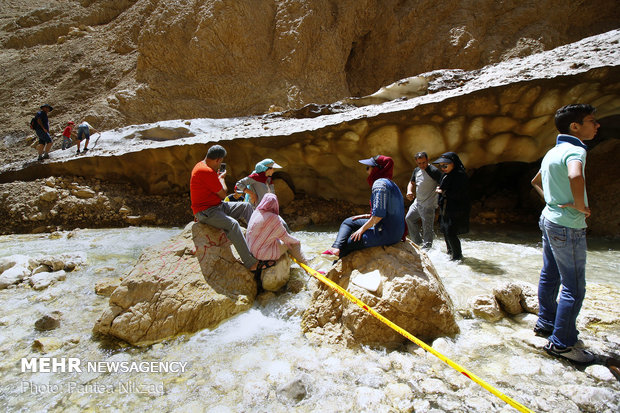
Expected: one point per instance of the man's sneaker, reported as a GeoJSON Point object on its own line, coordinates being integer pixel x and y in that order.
{"type": "Point", "coordinates": [40, 157]}
{"type": "Point", "coordinates": [577, 355]}
{"type": "Point", "coordinates": [85, 150]}
{"type": "Point", "coordinates": [541, 332]}
{"type": "Point", "coordinates": [78, 152]}
{"type": "Point", "coordinates": [46, 155]}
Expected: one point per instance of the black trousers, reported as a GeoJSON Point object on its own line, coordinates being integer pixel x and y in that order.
{"type": "Point", "coordinates": [453, 243]}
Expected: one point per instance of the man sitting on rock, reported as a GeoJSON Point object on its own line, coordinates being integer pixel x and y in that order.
{"type": "Point", "coordinates": [207, 190]}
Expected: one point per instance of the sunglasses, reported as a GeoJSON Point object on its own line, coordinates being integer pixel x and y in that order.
{"type": "Point", "coordinates": [444, 165]}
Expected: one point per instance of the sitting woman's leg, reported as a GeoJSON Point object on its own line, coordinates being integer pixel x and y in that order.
{"type": "Point", "coordinates": [343, 239]}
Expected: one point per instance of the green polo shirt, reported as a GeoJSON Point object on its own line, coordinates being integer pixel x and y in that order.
{"type": "Point", "coordinates": [556, 185]}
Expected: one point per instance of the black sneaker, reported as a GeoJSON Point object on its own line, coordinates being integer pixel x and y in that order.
{"type": "Point", "coordinates": [40, 158]}
{"type": "Point", "coordinates": [78, 152]}
{"type": "Point", "coordinates": [85, 150]}
{"type": "Point", "coordinates": [578, 355]}
{"type": "Point", "coordinates": [46, 155]}
{"type": "Point", "coordinates": [541, 332]}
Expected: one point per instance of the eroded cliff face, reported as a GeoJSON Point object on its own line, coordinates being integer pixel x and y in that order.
{"type": "Point", "coordinates": [502, 113]}
{"type": "Point", "coordinates": [119, 62]}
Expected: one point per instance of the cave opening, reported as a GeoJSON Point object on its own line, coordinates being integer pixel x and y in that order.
{"type": "Point", "coordinates": [502, 192]}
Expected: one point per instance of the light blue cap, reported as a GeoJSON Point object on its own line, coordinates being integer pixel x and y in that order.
{"type": "Point", "coordinates": [265, 164]}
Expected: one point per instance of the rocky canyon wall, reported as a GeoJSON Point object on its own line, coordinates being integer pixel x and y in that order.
{"type": "Point", "coordinates": [118, 62]}
{"type": "Point", "coordinates": [502, 113]}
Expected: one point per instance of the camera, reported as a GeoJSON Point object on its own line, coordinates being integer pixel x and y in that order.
{"type": "Point", "coordinates": [222, 167]}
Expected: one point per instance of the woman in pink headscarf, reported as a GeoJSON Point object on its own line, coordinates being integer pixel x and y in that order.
{"type": "Point", "coordinates": [266, 236]}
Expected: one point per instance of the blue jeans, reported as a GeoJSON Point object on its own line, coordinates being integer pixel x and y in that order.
{"type": "Point", "coordinates": [343, 240]}
{"type": "Point", "coordinates": [564, 263]}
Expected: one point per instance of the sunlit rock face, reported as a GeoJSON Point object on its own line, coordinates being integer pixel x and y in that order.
{"type": "Point", "coordinates": [122, 62]}
{"type": "Point", "coordinates": [235, 58]}
{"type": "Point", "coordinates": [188, 283]}
{"type": "Point", "coordinates": [501, 113]}
{"type": "Point", "coordinates": [399, 282]}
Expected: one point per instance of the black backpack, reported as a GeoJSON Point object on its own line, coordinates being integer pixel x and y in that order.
{"type": "Point", "coordinates": [33, 123]}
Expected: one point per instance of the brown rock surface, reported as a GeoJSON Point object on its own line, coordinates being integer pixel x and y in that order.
{"type": "Point", "coordinates": [486, 306]}
{"type": "Point", "coordinates": [410, 294]}
{"type": "Point", "coordinates": [186, 284]}
{"type": "Point", "coordinates": [111, 62]}
{"type": "Point", "coordinates": [509, 298]}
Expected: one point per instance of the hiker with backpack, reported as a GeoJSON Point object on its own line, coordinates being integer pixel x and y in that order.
{"type": "Point", "coordinates": [40, 124]}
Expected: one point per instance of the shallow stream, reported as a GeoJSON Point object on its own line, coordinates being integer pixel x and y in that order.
{"type": "Point", "coordinates": [260, 361]}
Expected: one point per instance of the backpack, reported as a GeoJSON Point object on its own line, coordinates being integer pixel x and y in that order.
{"type": "Point", "coordinates": [33, 123]}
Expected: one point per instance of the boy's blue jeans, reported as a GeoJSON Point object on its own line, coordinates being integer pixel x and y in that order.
{"type": "Point", "coordinates": [564, 263]}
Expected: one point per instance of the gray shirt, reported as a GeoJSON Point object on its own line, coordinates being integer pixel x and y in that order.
{"type": "Point", "coordinates": [259, 188]}
{"type": "Point", "coordinates": [426, 182]}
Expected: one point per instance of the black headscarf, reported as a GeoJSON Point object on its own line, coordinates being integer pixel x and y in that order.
{"type": "Point", "coordinates": [454, 158]}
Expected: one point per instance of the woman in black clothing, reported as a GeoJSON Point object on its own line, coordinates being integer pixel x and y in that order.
{"type": "Point", "coordinates": [454, 204]}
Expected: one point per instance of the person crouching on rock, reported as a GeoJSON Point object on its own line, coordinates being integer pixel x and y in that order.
{"type": "Point", "coordinates": [207, 190]}
{"type": "Point", "coordinates": [266, 235]}
{"type": "Point", "coordinates": [259, 182]}
{"type": "Point", "coordinates": [385, 225]}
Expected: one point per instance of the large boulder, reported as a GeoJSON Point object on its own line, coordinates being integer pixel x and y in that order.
{"type": "Point", "coordinates": [399, 282]}
{"type": "Point", "coordinates": [13, 270]}
{"type": "Point", "coordinates": [276, 277]}
{"type": "Point", "coordinates": [188, 283]}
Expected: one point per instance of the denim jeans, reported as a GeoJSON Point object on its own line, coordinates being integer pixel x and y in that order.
{"type": "Point", "coordinates": [343, 240]}
{"type": "Point", "coordinates": [564, 263]}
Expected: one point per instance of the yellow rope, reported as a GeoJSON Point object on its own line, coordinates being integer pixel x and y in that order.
{"type": "Point", "coordinates": [411, 337]}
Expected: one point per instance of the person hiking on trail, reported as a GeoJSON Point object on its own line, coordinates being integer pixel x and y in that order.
{"type": "Point", "coordinates": [42, 128]}
{"type": "Point", "coordinates": [66, 136]}
{"type": "Point", "coordinates": [83, 132]}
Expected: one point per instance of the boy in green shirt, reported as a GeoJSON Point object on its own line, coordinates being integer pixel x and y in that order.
{"type": "Point", "coordinates": [561, 182]}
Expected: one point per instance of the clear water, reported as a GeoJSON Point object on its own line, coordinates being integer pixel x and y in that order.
{"type": "Point", "coordinates": [260, 360]}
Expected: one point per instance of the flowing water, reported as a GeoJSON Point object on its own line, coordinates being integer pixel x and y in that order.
{"type": "Point", "coordinates": [260, 361]}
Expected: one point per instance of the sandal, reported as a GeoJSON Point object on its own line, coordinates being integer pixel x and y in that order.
{"type": "Point", "coordinates": [329, 252]}
{"type": "Point", "coordinates": [263, 265]}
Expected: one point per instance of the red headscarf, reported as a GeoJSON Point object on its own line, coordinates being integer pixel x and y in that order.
{"type": "Point", "coordinates": [384, 170]}
{"type": "Point", "coordinates": [259, 177]}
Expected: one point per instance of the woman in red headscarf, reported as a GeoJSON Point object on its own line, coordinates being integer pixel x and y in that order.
{"type": "Point", "coordinates": [385, 224]}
